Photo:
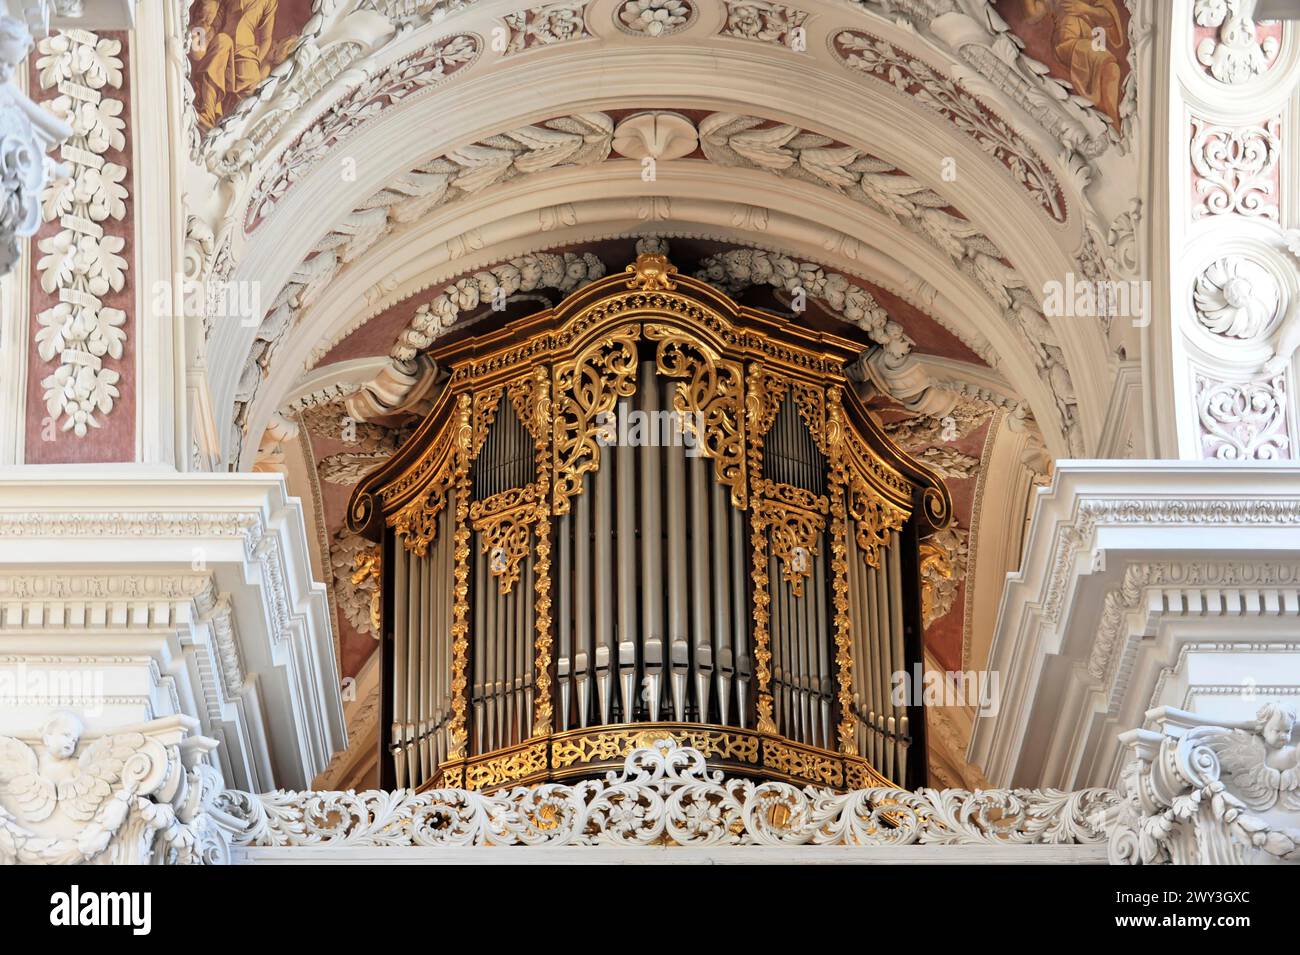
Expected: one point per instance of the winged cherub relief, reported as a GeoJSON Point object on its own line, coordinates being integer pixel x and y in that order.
{"type": "Point", "coordinates": [1263, 766]}
{"type": "Point", "coordinates": [35, 786]}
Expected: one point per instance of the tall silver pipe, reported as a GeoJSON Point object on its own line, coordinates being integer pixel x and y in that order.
{"type": "Point", "coordinates": [486, 642]}
{"type": "Point", "coordinates": [604, 583]}
{"type": "Point", "coordinates": [563, 661]}
{"type": "Point", "coordinates": [721, 538]}
{"type": "Point", "coordinates": [585, 653]}
{"type": "Point", "coordinates": [502, 642]}
{"type": "Point", "coordinates": [883, 719]}
{"type": "Point", "coordinates": [740, 619]}
{"type": "Point", "coordinates": [413, 647]}
{"type": "Point", "coordinates": [625, 478]}
{"type": "Point", "coordinates": [824, 680]}
{"type": "Point", "coordinates": [510, 669]}
{"type": "Point", "coordinates": [530, 656]}
{"type": "Point", "coordinates": [426, 667]}
{"type": "Point", "coordinates": [896, 641]}
{"type": "Point", "coordinates": [701, 614]}
{"type": "Point", "coordinates": [675, 503]}
{"type": "Point", "coordinates": [873, 662]}
{"type": "Point", "coordinates": [398, 730]}
{"type": "Point", "coordinates": [479, 633]}
{"type": "Point", "coordinates": [780, 628]}
{"type": "Point", "coordinates": [652, 607]}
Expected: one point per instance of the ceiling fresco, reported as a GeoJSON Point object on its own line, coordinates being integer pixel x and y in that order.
{"type": "Point", "coordinates": [234, 45]}
{"type": "Point", "coordinates": [1081, 42]}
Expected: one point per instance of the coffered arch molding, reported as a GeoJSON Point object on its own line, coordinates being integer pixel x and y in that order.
{"type": "Point", "coordinates": [706, 202]}
{"type": "Point", "coordinates": [879, 122]}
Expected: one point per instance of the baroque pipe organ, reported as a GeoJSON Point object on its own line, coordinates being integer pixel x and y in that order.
{"type": "Point", "coordinates": [648, 512]}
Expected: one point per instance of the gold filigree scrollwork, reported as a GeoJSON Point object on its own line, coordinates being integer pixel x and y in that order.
{"type": "Point", "coordinates": [458, 738]}
{"type": "Point", "coordinates": [541, 404]}
{"type": "Point", "coordinates": [366, 567]}
{"type": "Point", "coordinates": [587, 389]}
{"type": "Point", "coordinates": [874, 520]}
{"type": "Point", "coordinates": [651, 272]}
{"type": "Point", "coordinates": [795, 519]}
{"type": "Point", "coordinates": [710, 402]}
{"type": "Point", "coordinates": [524, 394]}
{"type": "Point", "coordinates": [486, 405]}
{"type": "Point", "coordinates": [505, 523]}
{"type": "Point", "coordinates": [809, 400]}
{"type": "Point", "coordinates": [840, 569]}
{"type": "Point", "coordinates": [416, 524]}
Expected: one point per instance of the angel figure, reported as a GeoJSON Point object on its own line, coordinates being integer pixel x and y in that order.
{"type": "Point", "coordinates": [232, 49]}
{"type": "Point", "coordinates": [78, 786]}
{"type": "Point", "coordinates": [1093, 67]}
{"type": "Point", "coordinates": [1264, 765]}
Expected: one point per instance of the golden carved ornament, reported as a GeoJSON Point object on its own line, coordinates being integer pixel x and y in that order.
{"type": "Point", "coordinates": [874, 520]}
{"type": "Point", "coordinates": [795, 532]}
{"type": "Point", "coordinates": [651, 272]}
{"type": "Point", "coordinates": [587, 389]}
{"type": "Point", "coordinates": [458, 737]}
{"type": "Point", "coordinates": [711, 400]}
{"type": "Point", "coordinates": [541, 428]}
{"type": "Point", "coordinates": [366, 566]}
{"type": "Point", "coordinates": [505, 523]}
{"type": "Point", "coordinates": [840, 570]}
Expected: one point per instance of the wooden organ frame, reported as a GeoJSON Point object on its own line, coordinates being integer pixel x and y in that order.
{"type": "Point", "coordinates": [560, 370]}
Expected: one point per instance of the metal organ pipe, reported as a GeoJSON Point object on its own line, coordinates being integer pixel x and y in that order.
{"type": "Point", "coordinates": [899, 728]}
{"type": "Point", "coordinates": [582, 609]}
{"type": "Point", "coordinates": [627, 547]}
{"type": "Point", "coordinates": [701, 616]}
{"type": "Point", "coordinates": [720, 531]}
{"type": "Point", "coordinates": [606, 648]}
{"type": "Point", "coordinates": [652, 608]}
{"type": "Point", "coordinates": [675, 503]}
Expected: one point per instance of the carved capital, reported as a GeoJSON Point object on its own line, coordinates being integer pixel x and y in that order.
{"type": "Point", "coordinates": [1199, 791]}
{"type": "Point", "coordinates": [140, 795]}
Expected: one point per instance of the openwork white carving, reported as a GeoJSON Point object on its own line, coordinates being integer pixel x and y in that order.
{"type": "Point", "coordinates": [1223, 793]}
{"type": "Point", "coordinates": [127, 798]}
{"type": "Point", "coordinates": [654, 17]}
{"type": "Point", "coordinates": [664, 793]}
{"type": "Point", "coordinates": [1236, 54]}
{"type": "Point", "coordinates": [1236, 297]}
{"type": "Point", "coordinates": [82, 262]}
{"type": "Point", "coordinates": [1235, 168]}
{"type": "Point", "coordinates": [1243, 421]}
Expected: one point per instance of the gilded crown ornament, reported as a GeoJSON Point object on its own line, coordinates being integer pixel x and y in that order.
{"type": "Point", "coordinates": [652, 272]}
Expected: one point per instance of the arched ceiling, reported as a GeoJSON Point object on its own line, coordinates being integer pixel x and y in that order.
{"type": "Point", "coordinates": [403, 144]}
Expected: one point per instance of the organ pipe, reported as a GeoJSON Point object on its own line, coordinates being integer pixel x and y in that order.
{"type": "Point", "coordinates": [722, 523]}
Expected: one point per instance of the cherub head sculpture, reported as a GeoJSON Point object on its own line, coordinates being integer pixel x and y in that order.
{"type": "Point", "coordinates": [61, 734]}
{"type": "Point", "coordinates": [1275, 722]}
